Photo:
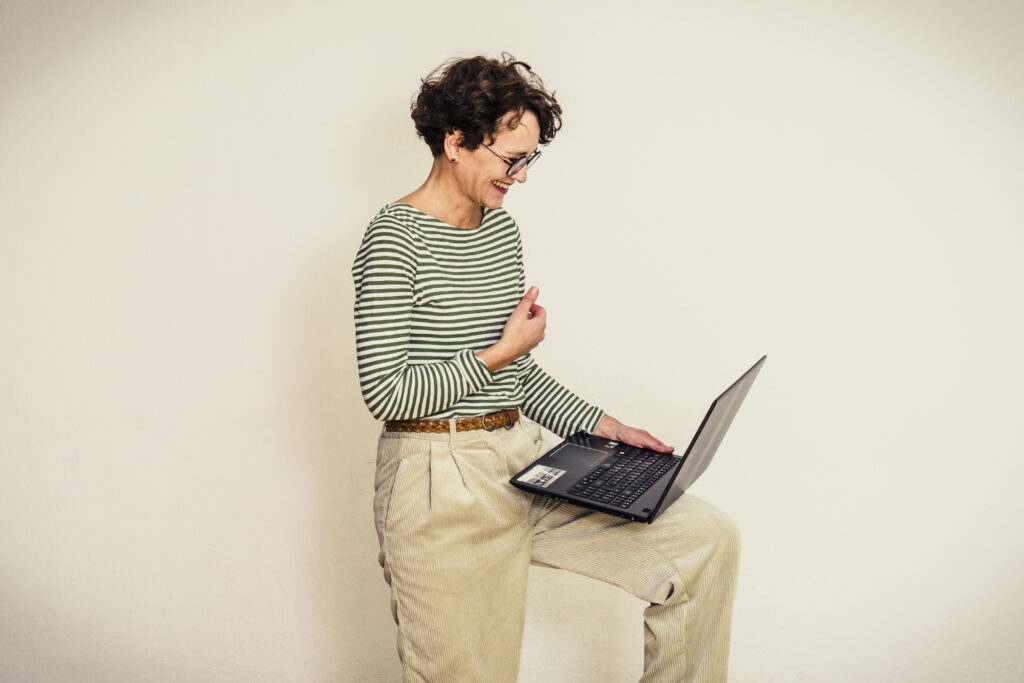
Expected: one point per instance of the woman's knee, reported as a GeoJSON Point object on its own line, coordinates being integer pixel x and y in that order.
{"type": "Point", "coordinates": [727, 537]}
{"type": "Point", "coordinates": [710, 527]}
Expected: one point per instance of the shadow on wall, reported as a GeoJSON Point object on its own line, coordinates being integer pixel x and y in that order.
{"type": "Point", "coordinates": [337, 437]}
{"type": "Point", "coordinates": [336, 440]}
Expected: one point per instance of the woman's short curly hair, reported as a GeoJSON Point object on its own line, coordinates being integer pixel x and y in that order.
{"type": "Point", "coordinates": [472, 95]}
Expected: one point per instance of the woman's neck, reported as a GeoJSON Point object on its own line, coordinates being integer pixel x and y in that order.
{"type": "Point", "coordinates": [439, 196]}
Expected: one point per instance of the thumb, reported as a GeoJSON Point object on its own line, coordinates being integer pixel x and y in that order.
{"type": "Point", "coordinates": [530, 298]}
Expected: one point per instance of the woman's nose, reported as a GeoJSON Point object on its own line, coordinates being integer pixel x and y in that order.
{"type": "Point", "coordinates": [520, 175]}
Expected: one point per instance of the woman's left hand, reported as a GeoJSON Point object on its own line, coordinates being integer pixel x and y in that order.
{"type": "Point", "coordinates": [610, 428]}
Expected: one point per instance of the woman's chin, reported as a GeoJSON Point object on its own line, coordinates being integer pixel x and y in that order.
{"type": "Point", "coordinates": [492, 202]}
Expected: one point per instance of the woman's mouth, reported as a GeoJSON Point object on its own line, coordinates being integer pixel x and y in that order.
{"type": "Point", "coordinates": [502, 187]}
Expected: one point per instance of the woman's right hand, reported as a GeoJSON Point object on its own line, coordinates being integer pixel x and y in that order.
{"type": "Point", "coordinates": [523, 331]}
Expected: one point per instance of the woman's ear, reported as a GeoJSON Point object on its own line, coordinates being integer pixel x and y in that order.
{"type": "Point", "coordinates": [453, 145]}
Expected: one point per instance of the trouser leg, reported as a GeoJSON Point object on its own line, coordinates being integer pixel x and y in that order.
{"type": "Point", "coordinates": [684, 564]}
{"type": "Point", "coordinates": [455, 547]}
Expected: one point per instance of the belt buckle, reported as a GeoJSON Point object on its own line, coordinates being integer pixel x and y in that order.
{"type": "Point", "coordinates": [493, 421]}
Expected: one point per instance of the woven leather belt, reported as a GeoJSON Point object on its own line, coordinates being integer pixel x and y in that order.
{"type": "Point", "coordinates": [490, 421]}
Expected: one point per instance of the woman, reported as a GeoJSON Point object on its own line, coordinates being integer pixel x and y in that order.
{"type": "Point", "coordinates": [444, 331]}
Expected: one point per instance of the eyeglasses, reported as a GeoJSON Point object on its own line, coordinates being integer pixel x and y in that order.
{"type": "Point", "coordinates": [518, 164]}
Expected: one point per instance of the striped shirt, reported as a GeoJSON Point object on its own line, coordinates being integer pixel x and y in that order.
{"type": "Point", "coordinates": [428, 296]}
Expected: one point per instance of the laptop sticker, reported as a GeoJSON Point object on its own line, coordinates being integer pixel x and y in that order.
{"type": "Point", "coordinates": [541, 476]}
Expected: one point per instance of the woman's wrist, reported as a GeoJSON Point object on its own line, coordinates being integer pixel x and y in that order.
{"type": "Point", "coordinates": [607, 427]}
{"type": "Point", "coordinates": [495, 357]}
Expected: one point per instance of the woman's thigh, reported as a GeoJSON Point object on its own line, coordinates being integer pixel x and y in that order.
{"type": "Point", "coordinates": [648, 560]}
{"type": "Point", "coordinates": [455, 547]}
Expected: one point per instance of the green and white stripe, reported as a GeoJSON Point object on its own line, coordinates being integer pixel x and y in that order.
{"type": "Point", "coordinates": [428, 296]}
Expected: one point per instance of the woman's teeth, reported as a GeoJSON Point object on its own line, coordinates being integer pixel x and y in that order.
{"type": "Point", "coordinates": [501, 186]}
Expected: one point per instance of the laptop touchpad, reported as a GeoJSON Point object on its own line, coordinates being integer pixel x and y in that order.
{"type": "Point", "coordinates": [577, 458]}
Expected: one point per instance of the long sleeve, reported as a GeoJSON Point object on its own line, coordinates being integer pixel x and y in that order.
{"type": "Point", "coordinates": [385, 273]}
{"type": "Point", "coordinates": [551, 404]}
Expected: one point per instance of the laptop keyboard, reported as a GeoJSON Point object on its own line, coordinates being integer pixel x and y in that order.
{"type": "Point", "coordinates": [620, 481]}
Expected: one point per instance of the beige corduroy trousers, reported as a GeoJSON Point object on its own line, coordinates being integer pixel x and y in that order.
{"type": "Point", "coordinates": [457, 540]}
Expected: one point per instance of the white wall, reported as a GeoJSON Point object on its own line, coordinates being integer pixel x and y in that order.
{"type": "Point", "coordinates": [185, 461]}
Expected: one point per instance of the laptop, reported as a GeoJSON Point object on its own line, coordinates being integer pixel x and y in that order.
{"type": "Point", "coordinates": [627, 481]}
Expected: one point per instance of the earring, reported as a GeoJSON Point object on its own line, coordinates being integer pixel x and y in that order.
{"type": "Point", "coordinates": [453, 160]}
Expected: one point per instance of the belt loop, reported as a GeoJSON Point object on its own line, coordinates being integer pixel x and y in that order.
{"type": "Point", "coordinates": [451, 431]}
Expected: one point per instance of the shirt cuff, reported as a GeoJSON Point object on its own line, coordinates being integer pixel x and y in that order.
{"type": "Point", "coordinates": [476, 372]}
{"type": "Point", "coordinates": [591, 424]}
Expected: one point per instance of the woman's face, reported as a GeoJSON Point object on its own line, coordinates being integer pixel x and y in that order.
{"type": "Point", "coordinates": [482, 175]}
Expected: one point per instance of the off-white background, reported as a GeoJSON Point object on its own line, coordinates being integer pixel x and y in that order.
{"type": "Point", "coordinates": [185, 461]}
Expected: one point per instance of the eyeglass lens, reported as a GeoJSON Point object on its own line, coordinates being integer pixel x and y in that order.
{"type": "Point", "coordinates": [522, 162]}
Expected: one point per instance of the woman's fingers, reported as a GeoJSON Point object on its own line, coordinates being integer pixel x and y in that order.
{"type": "Point", "coordinates": [644, 439]}
{"type": "Point", "coordinates": [610, 428]}
{"type": "Point", "coordinates": [528, 301]}
{"type": "Point", "coordinates": [524, 329]}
